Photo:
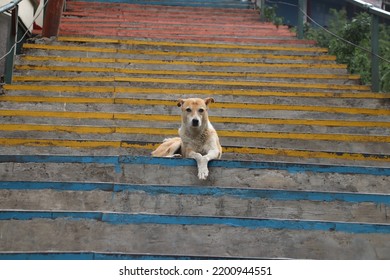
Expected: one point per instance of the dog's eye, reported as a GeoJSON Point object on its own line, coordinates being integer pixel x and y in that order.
{"type": "Point", "coordinates": [201, 110]}
{"type": "Point", "coordinates": [188, 110]}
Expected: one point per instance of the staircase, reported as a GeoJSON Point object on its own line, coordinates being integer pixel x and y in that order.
{"type": "Point", "coordinates": [306, 166]}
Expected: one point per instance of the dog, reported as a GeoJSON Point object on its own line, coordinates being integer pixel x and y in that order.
{"type": "Point", "coordinates": [198, 138]}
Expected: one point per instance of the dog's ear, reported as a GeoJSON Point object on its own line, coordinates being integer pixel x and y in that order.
{"type": "Point", "coordinates": [209, 100]}
{"type": "Point", "coordinates": [180, 102]}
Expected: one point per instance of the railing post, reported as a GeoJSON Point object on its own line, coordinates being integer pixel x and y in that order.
{"type": "Point", "coordinates": [375, 78]}
{"type": "Point", "coordinates": [262, 12]}
{"type": "Point", "coordinates": [52, 19]}
{"type": "Point", "coordinates": [301, 17]}
{"type": "Point", "coordinates": [9, 62]}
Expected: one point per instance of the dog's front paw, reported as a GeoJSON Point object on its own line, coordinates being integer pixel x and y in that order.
{"type": "Point", "coordinates": [203, 173]}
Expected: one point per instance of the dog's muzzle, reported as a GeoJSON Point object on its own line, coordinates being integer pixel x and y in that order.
{"type": "Point", "coordinates": [195, 122]}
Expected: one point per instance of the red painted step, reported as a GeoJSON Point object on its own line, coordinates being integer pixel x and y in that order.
{"type": "Point", "coordinates": [71, 4]}
{"type": "Point", "coordinates": [180, 29]}
{"type": "Point", "coordinates": [171, 23]}
{"type": "Point", "coordinates": [207, 16]}
{"type": "Point", "coordinates": [145, 21]}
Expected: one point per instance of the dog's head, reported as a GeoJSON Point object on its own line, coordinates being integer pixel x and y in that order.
{"type": "Point", "coordinates": [194, 111]}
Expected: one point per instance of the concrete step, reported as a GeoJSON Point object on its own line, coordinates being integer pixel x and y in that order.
{"type": "Point", "coordinates": [194, 200]}
{"type": "Point", "coordinates": [172, 171]}
{"type": "Point", "coordinates": [75, 197]}
{"type": "Point", "coordinates": [94, 255]}
{"type": "Point", "coordinates": [201, 83]}
{"type": "Point", "coordinates": [155, 234]}
{"type": "Point", "coordinates": [126, 25]}
{"type": "Point", "coordinates": [368, 109]}
{"type": "Point", "coordinates": [113, 119]}
{"type": "Point", "coordinates": [212, 70]}
{"type": "Point", "coordinates": [63, 55]}
{"type": "Point", "coordinates": [89, 145]}
{"type": "Point", "coordinates": [318, 70]}
{"type": "Point", "coordinates": [82, 71]}
{"type": "Point", "coordinates": [307, 133]}
{"type": "Point", "coordinates": [356, 98]}
{"type": "Point", "coordinates": [93, 137]}
{"type": "Point", "coordinates": [181, 45]}
{"type": "Point", "coordinates": [100, 47]}
{"type": "Point", "coordinates": [305, 163]}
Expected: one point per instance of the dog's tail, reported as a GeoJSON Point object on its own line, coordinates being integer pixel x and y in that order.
{"type": "Point", "coordinates": [169, 148]}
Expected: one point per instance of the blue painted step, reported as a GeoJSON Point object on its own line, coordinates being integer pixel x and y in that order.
{"type": "Point", "coordinates": [251, 223]}
{"type": "Point", "coordinates": [117, 161]}
{"type": "Point", "coordinates": [103, 256]}
{"type": "Point", "coordinates": [195, 233]}
{"type": "Point", "coordinates": [243, 193]}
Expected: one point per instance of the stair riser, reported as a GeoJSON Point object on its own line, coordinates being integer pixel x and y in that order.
{"type": "Point", "coordinates": [159, 65]}
{"type": "Point", "coordinates": [284, 111]}
{"type": "Point", "coordinates": [171, 28]}
{"type": "Point", "coordinates": [187, 175]}
{"type": "Point", "coordinates": [74, 121]}
{"type": "Point", "coordinates": [189, 240]}
{"type": "Point", "coordinates": [188, 75]}
{"type": "Point", "coordinates": [106, 148]}
{"type": "Point", "coordinates": [195, 38]}
{"type": "Point", "coordinates": [189, 55]}
{"type": "Point", "coordinates": [177, 29]}
{"type": "Point", "coordinates": [207, 4]}
{"type": "Point", "coordinates": [202, 205]}
{"type": "Point", "coordinates": [380, 99]}
{"type": "Point", "coordinates": [145, 20]}
{"type": "Point", "coordinates": [183, 16]}
{"type": "Point", "coordinates": [276, 140]}
{"type": "Point", "coordinates": [342, 106]}
{"type": "Point", "coordinates": [122, 44]}
{"type": "Point", "coordinates": [123, 15]}
{"type": "Point", "coordinates": [143, 5]}
{"type": "Point", "coordinates": [184, 84]}
{"type": "Point", "coordinates": [275, 64]}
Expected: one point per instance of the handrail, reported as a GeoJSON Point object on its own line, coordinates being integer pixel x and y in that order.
{"type": "Point", "coordinates": [9, 6]}
{"type": "Point", "coordinates": [375, 13]}
{"type": "Point", "coordinates": [53, 10]}
{"type": "Point", "coordinates": [370, 8]}
{"type": "Point", "coordinates": [10, 55]}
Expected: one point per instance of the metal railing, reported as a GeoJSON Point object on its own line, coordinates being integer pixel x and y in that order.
{"type": "Point", "coordinates": [13, 8]}
{"type": "Point", "coordinates": [375, 13]}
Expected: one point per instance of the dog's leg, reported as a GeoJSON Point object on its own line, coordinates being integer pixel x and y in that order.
{"type": "Point", "coordinates": [202, 162]}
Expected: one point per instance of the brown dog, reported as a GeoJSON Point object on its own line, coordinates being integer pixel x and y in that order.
{"type": "Point", "coordinates": [198, 138]}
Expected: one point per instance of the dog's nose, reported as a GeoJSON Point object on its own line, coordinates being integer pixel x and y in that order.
{"type": "Point", "coordinates": [195, 122]}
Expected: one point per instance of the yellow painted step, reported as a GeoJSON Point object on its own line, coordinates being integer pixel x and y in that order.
{"type": "Point", "coordinates": [181, 92]}
{"type": "Point", "coordinates": [90, 144]}
{"type": "Point", "coordinates": [196, 54]}
{"type": "Point", "coordinates": [177, 118]}
{"type": "Point", "coordinates": [221, 133]}
{"type": "Point", "coordinates": [188, 82]}
{"type": "Point", "coordinates": [183, 62]}
{"type": "Point", "coordinates": [183, 44]}
{"type": "Point", "coordinates": [221, 105]}
{"type": "Point", "coordinates": [183, 73]}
